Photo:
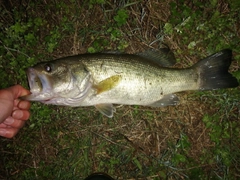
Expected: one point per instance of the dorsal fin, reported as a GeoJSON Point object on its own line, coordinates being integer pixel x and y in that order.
{"type": "Point", "coordinates": [164, 57]}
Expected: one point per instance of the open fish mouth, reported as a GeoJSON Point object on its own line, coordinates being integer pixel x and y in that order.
{"type": "Point", "coordinates": [34, 81]}
{"type": "Point", "coordinates": [39, 85]}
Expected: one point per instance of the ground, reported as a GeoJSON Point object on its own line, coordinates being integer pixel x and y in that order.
{"type": "Point", "coordinates": [197, 139]}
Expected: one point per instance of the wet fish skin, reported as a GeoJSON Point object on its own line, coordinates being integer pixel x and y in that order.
{"type": "Point", "coordinates": [104, 79]}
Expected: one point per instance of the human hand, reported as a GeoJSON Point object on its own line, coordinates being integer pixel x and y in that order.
{"type": "Point", "coordinates": [13, 111]}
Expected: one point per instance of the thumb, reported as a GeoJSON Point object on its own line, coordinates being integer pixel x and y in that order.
{"type": "Point", "coordinates": [18, 91]}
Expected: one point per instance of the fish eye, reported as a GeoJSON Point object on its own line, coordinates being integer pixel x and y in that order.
{"type": "Point", "coordinates": [48, 67]}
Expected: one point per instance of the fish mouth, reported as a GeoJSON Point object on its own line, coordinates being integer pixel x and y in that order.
{"type": "Point", "coordinates": [34, 81]}
{"type": "Point", "coordinates": [39, 85]}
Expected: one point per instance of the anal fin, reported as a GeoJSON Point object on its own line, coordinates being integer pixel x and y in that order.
{"type": "Point", "coordinates": [167, 100]}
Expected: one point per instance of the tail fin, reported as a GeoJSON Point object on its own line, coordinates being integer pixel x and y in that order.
{"type": "Point", "coordinates": [213, 71]}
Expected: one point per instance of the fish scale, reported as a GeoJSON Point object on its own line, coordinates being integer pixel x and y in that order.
{"type": "Point", "coordinates": [104, 79]}
{"type": "Point", "coordinates": [140, 80]}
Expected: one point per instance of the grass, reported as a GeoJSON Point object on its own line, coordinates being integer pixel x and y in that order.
{"type": "Point", "coordinates": [198, 139]}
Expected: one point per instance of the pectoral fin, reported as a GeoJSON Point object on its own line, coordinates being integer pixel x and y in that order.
{"type": "Point", "coordinates": [106, 109]}
{"type": "Point", "coordinates": [107, 84]}
{"type": "Point", "coordinates": [167, 100]}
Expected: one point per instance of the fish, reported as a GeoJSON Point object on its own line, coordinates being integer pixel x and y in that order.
{"type": "Point", "coordinates": [105, 79]}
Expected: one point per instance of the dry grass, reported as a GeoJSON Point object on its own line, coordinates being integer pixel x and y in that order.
{"type": "Point", "coordinates": [150, 135]}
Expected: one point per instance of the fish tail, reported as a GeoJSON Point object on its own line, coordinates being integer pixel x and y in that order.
{"type": "Point", "coordinates": [213, 71]}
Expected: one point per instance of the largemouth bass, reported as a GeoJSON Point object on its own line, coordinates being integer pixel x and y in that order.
{"type": "Point", "coordinates": [104, 79]}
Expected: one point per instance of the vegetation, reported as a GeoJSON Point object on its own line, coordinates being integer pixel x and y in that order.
{"type": "Point", "coordinates": [198, 139]}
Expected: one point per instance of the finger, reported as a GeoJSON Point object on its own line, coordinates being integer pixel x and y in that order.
{"type": "Point", "coordinates": [6, 108]}
{"type": "Point", "coordinates": [21, 114]}
{"type": "Point", "coordinates": [15, 123]}
{"type": "Point", "coordinates": [2, 125]}
{"type": "Point", "coordinates": [18, 91]}
{"type": "Point", "coordinates": [24, 105]}
{"type": "Point", "coordinates": [8, 132]}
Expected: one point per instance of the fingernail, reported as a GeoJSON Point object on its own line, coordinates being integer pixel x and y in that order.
{"type": "Point", "coordinates": [9, 121]}
{"type": "Point", "coordinates": [3, 132]}
{"type": "Point", "coordinates": [18, 114]}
